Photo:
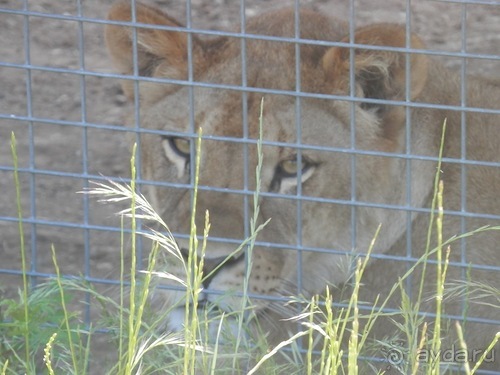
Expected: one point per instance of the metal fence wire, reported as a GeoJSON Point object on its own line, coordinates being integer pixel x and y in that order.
{"type": "Point", "coordinates": [67, 105]}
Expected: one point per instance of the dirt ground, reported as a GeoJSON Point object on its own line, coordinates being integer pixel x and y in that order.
{"type": "Point", "coordinates": [77, 119]}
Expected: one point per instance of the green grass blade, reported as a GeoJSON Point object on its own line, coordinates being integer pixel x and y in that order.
{"type": "Point", "coordinates": [65, 311]}
{"type": "Point", "coordinates": [17, 185]}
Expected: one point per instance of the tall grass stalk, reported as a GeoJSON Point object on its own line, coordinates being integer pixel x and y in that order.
{"type": "Point", "coordinates": [129, 357]}
{"type": "Point", "coordinates": [213, 366]}
{"type": "Point", "coordinates": [352, 357]}
{"type": "Point", "coordinates": [440, 279]}
{"type": "Point", "coordinates": [463, 345]}
{"type": "Point", "coordinates": [432, 214]}
{"type": "Point", "coordinates": [310, 336]}
{"type": "Point", "coordinates": [194, 274]}
{"type": "Point", "coordinates": [332, 352]}
{"type": "Point", "coordinates": [245, 302]}
{"type": "Point", "coordinates": [411, 309]}
{"type": "Point", "coordinates": [17, 186]}
{"type": "Point", "coordinates": [122, 293]}
{"type": "Point", "coordinates": [355, 345]}
{"type": "Point", "coordinates": [415, 364]}
{"type": "Point", "coordinates": [132, 338]}
{"type": "Point", "coordinates": [486, 352]}
{"type": "Point", "coordinates": [69, 332]}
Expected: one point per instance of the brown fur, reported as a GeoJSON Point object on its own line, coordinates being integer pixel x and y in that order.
{"type": "Point", "coordinates": [379, 179]}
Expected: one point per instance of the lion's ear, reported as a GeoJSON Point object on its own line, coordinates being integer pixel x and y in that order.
{"type": "Point", "coordinates": [380, 74]}
{"type": "Point", "coordinates": [160, 53]}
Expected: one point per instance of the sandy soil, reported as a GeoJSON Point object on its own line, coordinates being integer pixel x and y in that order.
{"type": "Point", "coordinates": [62, 104]}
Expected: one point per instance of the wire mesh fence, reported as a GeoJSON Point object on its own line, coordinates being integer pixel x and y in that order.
{"type": "Point", "coordinates": [325, 190]}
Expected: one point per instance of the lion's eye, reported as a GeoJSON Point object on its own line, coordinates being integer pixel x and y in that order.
{"type": "Point", "coordinates": [178, 151]}
{"type": "Point", "coordinates": [290, 167]}
{"type": "Point", "coordinates": [286, 173]}
{"type": "Point", "coordinates": [181, 146]}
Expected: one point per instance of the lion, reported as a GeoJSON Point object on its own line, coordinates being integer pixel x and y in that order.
{"type": "Point", "coordinates": [344, 152]}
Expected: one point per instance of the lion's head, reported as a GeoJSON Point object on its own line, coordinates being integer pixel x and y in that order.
{"type": "Point", "coordinates": [349, 143]}
{"type": "Point", "coordinates": [321, 184]}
